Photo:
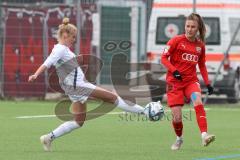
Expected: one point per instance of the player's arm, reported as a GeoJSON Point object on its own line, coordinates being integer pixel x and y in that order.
{"type": "Point", "coordinates": [202, 67]}
{"type": "Point", "coordinates": [52, 59]}
{"type": "Point", "coordinates": [203, 71]}
{"type": "Point", "coordinates": [167, 53]}
{"type": "Point", "coordinates": [41, 69]}
{"type": "Point", "coordinates": [171, 45]}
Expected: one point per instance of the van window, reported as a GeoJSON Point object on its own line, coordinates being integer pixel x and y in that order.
{"type": "Point", "coordinates": [213, 30]}
{"type": "Point", "coordinates": [234, 22]}
{"type": "Point", "coordinates": [168, 27]}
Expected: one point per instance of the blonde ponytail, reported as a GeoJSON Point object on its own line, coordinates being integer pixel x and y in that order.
{"type": "Point", "coordinates": [201, 25]}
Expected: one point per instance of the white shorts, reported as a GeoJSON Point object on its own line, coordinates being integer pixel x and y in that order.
{"type": "Point", "coordinates": [80, 93]}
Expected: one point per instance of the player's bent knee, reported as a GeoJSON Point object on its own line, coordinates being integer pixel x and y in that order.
{"type": "Point", "coordinates": [196, 98]}
{"type": "Point", "coordinates": [177, 118]}
{"type": "Point", "coordinates": [196, 103]}
{"type": "Point", "coordinates": [80, 123]}
{"type": "Point", "coordinates": [80, 119]}
{"type": "Point", "coordinates": [177, 113]}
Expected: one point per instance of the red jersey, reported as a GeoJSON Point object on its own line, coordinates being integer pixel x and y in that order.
{"type": "Point", "coordinates": [183, 55]}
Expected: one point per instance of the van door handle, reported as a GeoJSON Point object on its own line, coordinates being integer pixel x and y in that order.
{"type": "Point", "coordinates": [210, 49]}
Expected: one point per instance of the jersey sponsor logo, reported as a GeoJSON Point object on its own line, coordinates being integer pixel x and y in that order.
{"type": "Point", "coordinates": [189, 57]}
{"type": "Point", "coordinates": [198, 49]}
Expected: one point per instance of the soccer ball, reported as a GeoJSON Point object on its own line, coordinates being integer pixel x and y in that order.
{"type": "Point", "coordinates": [155, 110]}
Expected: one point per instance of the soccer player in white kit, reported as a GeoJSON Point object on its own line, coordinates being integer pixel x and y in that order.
{"type": "Point", "coordinates": [62, 57]}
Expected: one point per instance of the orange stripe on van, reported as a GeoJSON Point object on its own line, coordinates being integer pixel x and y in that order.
{"type": "Point", "coordinates": [198, 5]}
{"type": "Point", "coordinates": [220, 56]}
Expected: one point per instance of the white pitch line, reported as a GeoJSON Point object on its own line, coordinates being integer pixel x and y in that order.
{"type": "Point", "coordinates": [50, 116]}
{"type": "Point", "coordinates": [39, 116]}
{"type": "Point", "coordinates": [110, 113]}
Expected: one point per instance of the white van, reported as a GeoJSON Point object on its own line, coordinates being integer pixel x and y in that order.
{"type": "Point", "coordinates": [222, 20]}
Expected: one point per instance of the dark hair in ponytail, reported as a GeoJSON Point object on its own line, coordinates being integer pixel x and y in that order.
{"type": "Point", "coordinates": [201, 25]}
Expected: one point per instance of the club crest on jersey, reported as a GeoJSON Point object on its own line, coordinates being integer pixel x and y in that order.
{"type": "Point", "coordinates": [198, 49]}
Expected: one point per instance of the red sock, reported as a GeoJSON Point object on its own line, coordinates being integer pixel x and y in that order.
{"type": "Point", "coordinates": [178, 127]}
{"type": "Point", "coordinates": [201, 118]}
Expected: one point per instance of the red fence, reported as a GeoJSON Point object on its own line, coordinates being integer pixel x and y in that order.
{"type": "Point", "coordinates": [24, 45]}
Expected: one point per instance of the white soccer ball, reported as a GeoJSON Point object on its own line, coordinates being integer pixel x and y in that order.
{"type": "Point", "coordinates": [155, 110]}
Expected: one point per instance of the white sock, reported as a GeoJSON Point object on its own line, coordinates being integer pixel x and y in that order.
{"type": "Point", "coordinates": [179, 138]}
{"type": "Point", "coordinates": [63, 129]}
{"type": "Point", "coordinates": [204, 134]}
{"type": "Point", "coordinates": [129, 107]}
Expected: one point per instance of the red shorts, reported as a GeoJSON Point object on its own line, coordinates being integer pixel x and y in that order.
{"type": "Point", "coordinates": [176, 93]}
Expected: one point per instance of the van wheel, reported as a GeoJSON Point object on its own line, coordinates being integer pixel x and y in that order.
{"type": "Point", "coordinates": [233, 96]}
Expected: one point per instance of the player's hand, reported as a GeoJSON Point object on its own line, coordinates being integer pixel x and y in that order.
{"type": "Point", "coordinates": [177, 75]}
{"type": "Point", "coordinates": [210, 89]}
{"type": "Point", "coordinates": [32, 78]}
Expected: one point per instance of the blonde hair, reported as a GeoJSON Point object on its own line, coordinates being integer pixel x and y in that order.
{"type": "Point", "coordinates": [66, 27]}
{"type": "Point", "coordinates": [201, 25]}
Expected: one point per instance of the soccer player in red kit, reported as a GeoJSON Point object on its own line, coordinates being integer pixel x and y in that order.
{"type": "Point", "coordinates": [180, 57]}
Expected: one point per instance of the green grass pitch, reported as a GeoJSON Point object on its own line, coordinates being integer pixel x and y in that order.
{"type": "Point", "coordinates": [116, 136]}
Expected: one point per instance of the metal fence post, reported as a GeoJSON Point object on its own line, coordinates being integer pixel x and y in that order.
{"type": "Point", "coordinates": [2, 50]}
{"type": "Point", "coordinates": [78, 23]}
{"type": "Point", "coordinates": [45, 47]}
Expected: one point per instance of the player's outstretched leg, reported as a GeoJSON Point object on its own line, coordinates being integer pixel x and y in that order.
{"type": "Point", "coordinates": [61, 130]}
{"type": "Point", "coordinates": [46, 141]}
{"type": "Point", "coordinates": [111, 97]}
{"type": "Point", "coordinates": [79, 111]}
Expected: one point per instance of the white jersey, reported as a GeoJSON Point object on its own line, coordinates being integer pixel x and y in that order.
{"type": "Point", "coordinates": [61, 54]}
{"type": "Point", "coordinates": [71, 76]}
